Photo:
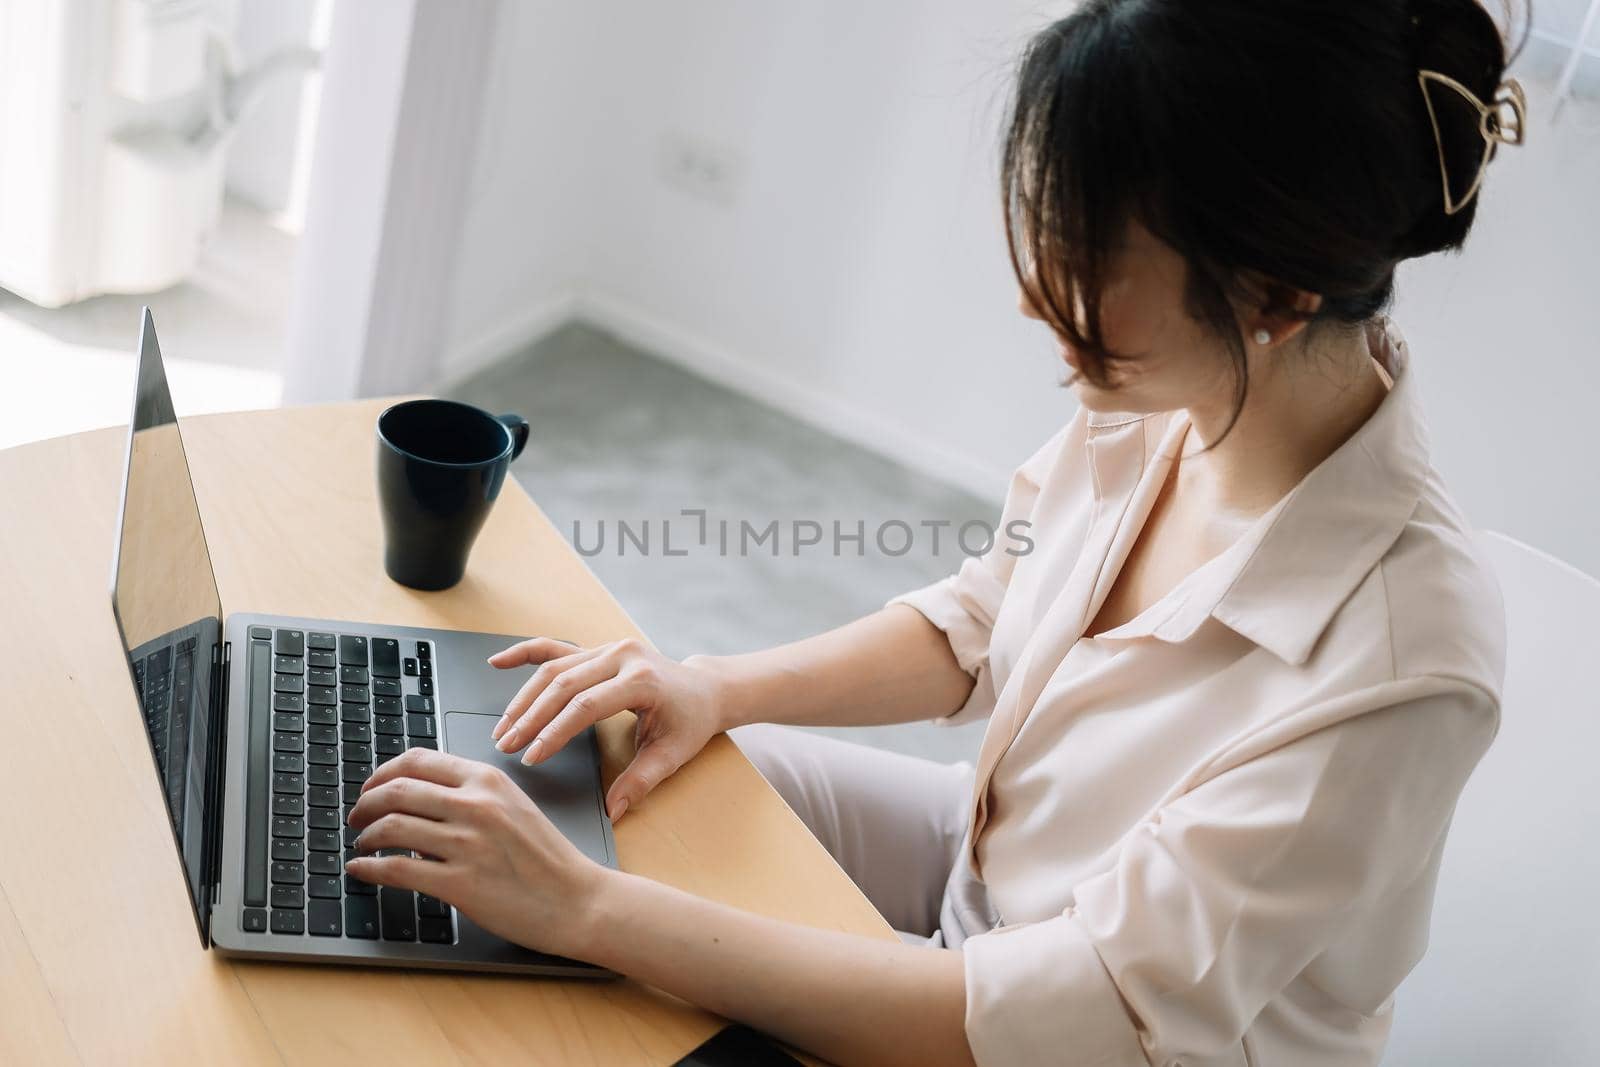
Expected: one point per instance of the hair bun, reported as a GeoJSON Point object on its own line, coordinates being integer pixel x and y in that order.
{"type": "Point", "coordinates": [1459, 39]}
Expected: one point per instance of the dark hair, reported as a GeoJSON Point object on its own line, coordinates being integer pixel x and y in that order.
{"type": "Point", "coordinates": [1271, 143]}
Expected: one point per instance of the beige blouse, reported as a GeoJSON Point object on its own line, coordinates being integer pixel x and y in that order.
{"type": "Point", "coordinates": [1211, 834]}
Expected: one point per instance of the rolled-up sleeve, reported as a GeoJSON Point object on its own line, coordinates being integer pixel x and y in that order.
{"type": "Point", "coordinates": [964, 605]}
{"type": "Point", "coordinates": [1212, 905]}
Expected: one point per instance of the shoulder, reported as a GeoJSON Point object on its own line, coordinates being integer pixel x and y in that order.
{"type": "Point", "coordinates": [1434, 599]}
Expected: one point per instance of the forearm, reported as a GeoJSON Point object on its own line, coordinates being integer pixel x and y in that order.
{"type": "Point", "coordinates": [846, 998]}
{"type": "Point", "coordinates": [892, 666]}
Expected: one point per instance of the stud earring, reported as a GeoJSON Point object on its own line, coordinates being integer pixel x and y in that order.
{"type": "Point", "coordinates": [1263, 337]}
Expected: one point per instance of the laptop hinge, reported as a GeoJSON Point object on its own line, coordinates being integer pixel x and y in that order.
{"type": "Point", "coordinates": [216, 756]}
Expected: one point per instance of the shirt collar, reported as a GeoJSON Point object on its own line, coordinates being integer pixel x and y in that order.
{"type": "Point", "coordinates": [1282, 582]}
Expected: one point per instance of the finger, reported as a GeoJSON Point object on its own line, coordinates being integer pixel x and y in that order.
{"type": "Point", "coordinates": [652, 765]}
{"type": "Point", "coordinates": [414, 834]}
{"type": "Point", "coordinates": [537, 682]}
{"type": "Point", "coordinates": [428, 764]}
{"type": "Point", "coordinates": [402, 872]}
{"type": "Point", "coordinates": [533, 650]}
{"type": "Point", "coordinates": [589, 706]}
{"type": "Point", "coordinates": [412, 796]}
{"type": "Point", "coordinates": [556, 691]}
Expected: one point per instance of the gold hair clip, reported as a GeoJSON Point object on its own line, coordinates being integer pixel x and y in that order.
{"type": "Point", "coordinates": [1492, 124]}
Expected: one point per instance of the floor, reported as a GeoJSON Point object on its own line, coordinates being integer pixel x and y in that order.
{"type": "Point", "coordinates": [71, 369]}
{"type": "Point", "coordinates": [622, 437]}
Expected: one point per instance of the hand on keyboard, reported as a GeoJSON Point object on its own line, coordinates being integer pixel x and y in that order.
{"type": "Point", "coordinates": [494, 854]}
{"type": "Point", "coordinates": [678, 705]}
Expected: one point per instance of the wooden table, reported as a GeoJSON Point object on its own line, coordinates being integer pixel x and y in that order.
{"type": "Point", "coordinates": [99, 959]}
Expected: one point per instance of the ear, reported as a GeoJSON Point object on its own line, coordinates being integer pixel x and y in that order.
{"type": "Point", "coordinates": [1281, 310]}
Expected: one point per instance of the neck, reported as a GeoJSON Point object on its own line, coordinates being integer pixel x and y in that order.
{"type": "Point", "coordinates": [1303, 403]}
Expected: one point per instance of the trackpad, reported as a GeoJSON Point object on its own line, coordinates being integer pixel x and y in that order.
{"type": "Point", "coordinates": [566, 787]}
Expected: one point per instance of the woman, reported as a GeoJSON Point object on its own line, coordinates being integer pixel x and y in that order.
{"type": "Point", "coordinates": [1234, 688]}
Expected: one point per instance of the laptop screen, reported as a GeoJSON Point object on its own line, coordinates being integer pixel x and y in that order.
{"type": "Point", "coordinates": [166, 604]}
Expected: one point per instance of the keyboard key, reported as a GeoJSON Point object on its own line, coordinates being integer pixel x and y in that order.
{"type": "Point", "coordinates": [321, 715]}
{"type": "Point", "coordinates": [399, 916]}
{"type": "Point", "coordinates": [387, 724]}
{"type": "Point", "coordinates": [322, 819]}
{"type": "Point", "coordinates": [425, 686]}
{"type": "Point", "coordinates": [322, 676]}
{"type": "Point", "coordinates": [351, 835]}
{"type": "Point", "coordinates": [322, 694]}
{"type": "Point", "coordinates": [288, 874]}
{"type": "Point", "coordinates": [424, 650]}
{"type": "Point", "coordinates": [385, 657]}
{"type": "Point", "coordinates": [289, 851]}
{"type": "Point", "coordinates": [324, 887]}
{"type": "Point", "coordinates": [288, 783]}
{"type": "Point", "coordinates": [322, 641]}
{"type": "Point", "coordinates": [324, 918]}
{"type": "Point", "coordinates": [288, 702]}
{"type": "Point", "coordinates": [322, 735]}
{"type": "Point", "coordinates": [324, 863]}
{"type": "Point", "coordinates": [386, 705]}
{"type": "Point", "coordinates": [354, 713]}
{"type": "Point", "coordinates": [385, 687]}
{"type": "Point", "coordinates": [261, 633]}
{"type": "Point", "coordinates": [389, 746]}
{"type": "Point", "coordinates": [355, 887]}
{"type": "Point", "coordinates": [417, 702]}
{"type": "Point", "coordinates": [356, 772]}
{"type": "Point", "coordinates": [356, 751]}
{"type": "Point", "coordinates": [289, 643]}
{"type": "Point", "coordinates": [356, 731]}
{"type": "Point", "coordinates": [322, 755]}
{"type": "Point", "coordinates": [354, 676]}
{"type": "Point", "coordinates": [427, 905]}
{"type": "Point", "coordinates": [289, 762]}
{"type": "Point", "coordinates": [288, 896]}
{"type": "Point", "coordinates": [288, 922]}
{"type": "Point", "coordinates": [435, 930]}
{"type": "Point", "coordinates": [288, 826]}
{"type": "Point", "coordinates": [322, 659]}
{"type": "Point", "coordinates": [410, 667]}
{"type": "Point", "coordinates": [361, 917]}
{"type": "Point", "coordinates": [322, 775]}
{"type": "Point", "coordinates": [423, 742]}
{"type": "Point", "coordinates": [288, 805]}
{"type": "Point", "coordinates": [421, 726]}
{"type": "Point", "coordinates": [288, 683]}
{"type": "Point", "coordinates": [353, 651]}
{"type": "Point", "coordinates": [254, 920]}
{"type": "Point", "coordinates": [352, 792]}
{"type": "Point", "coordinates": [288, 743]}
{"type": "Point", "coordinates": [288, 664]}
{"type": "Point", "coordinates": [322, 796]}
{"type": "Point", "coordinates": [354, 694]}
{"type": "Point", "coordinates": [425, 668]}
{"type": "Point", "coordinates": [283, 720]}
{"type": "Point", "coordinates": [322, 841]}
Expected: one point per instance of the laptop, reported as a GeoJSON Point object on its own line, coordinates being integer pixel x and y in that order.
{"type": "Point", "coordinates": [263, 729]}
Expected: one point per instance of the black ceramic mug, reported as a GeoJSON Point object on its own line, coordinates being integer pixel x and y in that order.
{"type": "Point", "coordinates": [440, 467]}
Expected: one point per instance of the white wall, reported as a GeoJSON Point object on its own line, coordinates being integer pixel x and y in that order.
{"type": "Point", "coordinates": [858, 276]}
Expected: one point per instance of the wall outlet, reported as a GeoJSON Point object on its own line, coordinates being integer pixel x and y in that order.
{"type": "Point", "coordinates": [701, 169]}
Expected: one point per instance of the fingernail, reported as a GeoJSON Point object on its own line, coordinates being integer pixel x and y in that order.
{"type": "Point", "coordinates": [622, 806]}
{"type": "Point", "coordinates": [500, 727]}
{"type": "Point", "coordinates": [533, 751]}
{"type": "Point", "coordinates": [504, 744]}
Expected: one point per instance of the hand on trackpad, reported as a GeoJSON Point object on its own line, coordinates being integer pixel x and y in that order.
{"type": "Point", "coordinates": [565, 786]}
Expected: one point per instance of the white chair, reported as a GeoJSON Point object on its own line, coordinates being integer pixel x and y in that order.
{"type": "Point", "coordinates": [1512, 973]}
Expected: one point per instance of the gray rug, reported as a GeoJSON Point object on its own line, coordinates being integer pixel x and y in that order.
{"type": "Point", "coordinates": [623, 439]}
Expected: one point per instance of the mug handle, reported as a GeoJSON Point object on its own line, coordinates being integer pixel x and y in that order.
{"type": "Point", "coordinates": [519, 432]}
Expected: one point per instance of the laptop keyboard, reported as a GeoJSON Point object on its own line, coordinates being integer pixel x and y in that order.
{"type": "Point", "coordinates": [325, 710]}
